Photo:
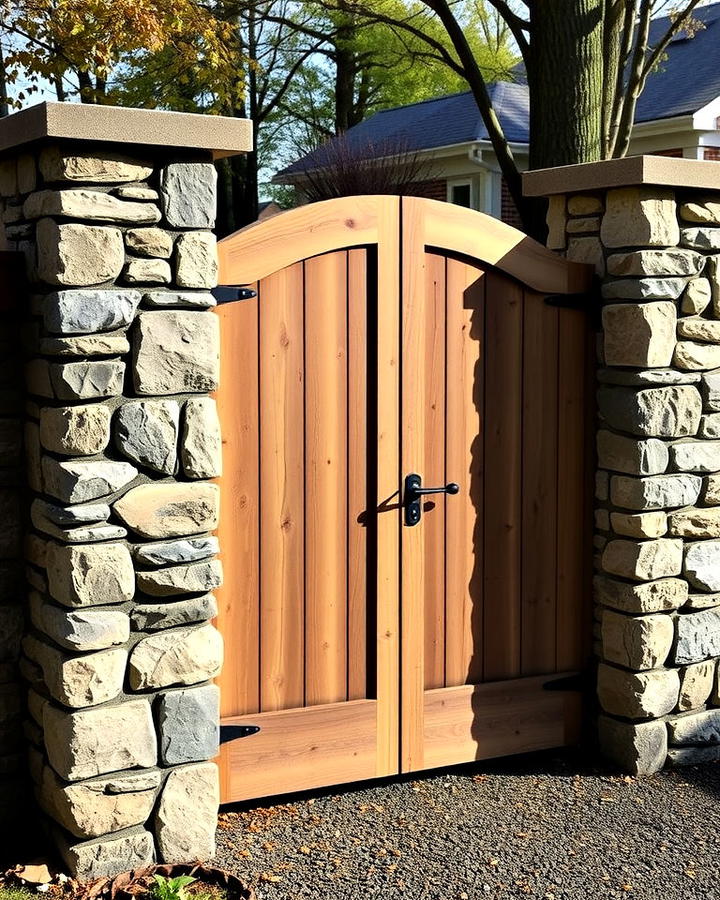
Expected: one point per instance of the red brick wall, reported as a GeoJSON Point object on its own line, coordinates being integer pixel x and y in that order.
{"type": "Point", "coordinates": [711, 153]}
{"type": "Point", "coordinates": [676, 153]}
{"type": "Point", "coordinates": [508, 210]}
{"type": "Point", "coordinates": [431, 190]}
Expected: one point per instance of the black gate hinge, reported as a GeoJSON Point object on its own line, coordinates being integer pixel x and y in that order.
{"type": "Point", "coordinates": [234, 732]}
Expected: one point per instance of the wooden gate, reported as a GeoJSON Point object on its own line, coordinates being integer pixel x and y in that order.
{"type": "Point", "coordinates": [392, 337]}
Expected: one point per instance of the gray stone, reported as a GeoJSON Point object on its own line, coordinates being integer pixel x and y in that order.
{"type": "Point", "coordinates": [701, 238]}
{"type": "Point", "coordinates": [186, 817]}
{"type": "Point", "coordinates": [643, 560]}
{"type": "Point", "coordinates": [75, 430]}
{"type": "Point", "coordinates": [80, 630]}
{"type": "Point", "coordinates": [655, 491]}
{"type": "Point", "coordinates": [177, 352]}
{"type": "Point", "coordinates": [83, 312]}
{"type": "Point", "coordinates": [78, 744]}
{"type": "Point", "coordinates": [196, 263]}
{"type": "Point", "coordinates": [710, 426]}
{"type": "Point", "coordinates": [73, 515]}
{"type": "Point", "coordinates": [652, 412]}
{"type": "Point", "coordinates": [697, 297]}
{"type": "Point", "coordinates": [636, 642]}
{"type": "Point", "coordinates": [656, 263]}
{"type": "Point", "coordinates": [174, 552]}
{"type": "Point", "coordinates": [77, 254]}
{"type": "Point", "coordinates": [89, 809]}
{"type": "Point", "coordinates": [86, 345]}
{"type": "Point", "coordinates": [169, 510]}
{"type": "Point", "coordinates": [695, 522]}
{"type": "Point", "coordinates": [702, 566]}
{"type": "Point", "coordinates": [146, 431]}
{"type": "Point", "coordinates": [699, 329]}
{"type": "Point", "coordinates": [639, 334]}
{"type": "Point", "coordinates": [78, 482]}
{"type": "Point", "coordinates": [711, 390]}
{"type": "Point", "coordinates": [647, 377]}
{"type": "Point", "coordinates": [663, 595]}
{"type": "Point", "coordinates": [181, 656]}
{"type": "Point", "coordinates": [695, 456]}
{"type": "Point", "coordinates": [624, 454]}
{"type": "Point", "coordinates": [149, 242]}
{"type": "Point", "coordinates": [92, 575]}
{"type": "Point", "coordinates": [639, 525]}
{"type": "Point", "coordinates": [696, 356]}
{"type": "Point", "coordinates": [88, 204]}
{"type": "Point", "coordinates": [637, 695]}
{"type": "Point", "coordinates": [695, 728]}
{"type": "Point", "coordinates": [157, 616]}
{"type": "Point", "coordinates": [696, 683]}
{"type": "Point", "coordinates": [698, 636]}
{"type": "Point", "coordinates": [643, 289]}
{"type": "Point", "coordinates": [147, 271]}
{"type": "Point", "coordinates": [81, 534]}
{"type": "Point", "coordinates": [180, 299]}
{"type": "Point", "coordinates": [137, 192]}
{"type": "Point", "coordinates": [693, 756]}
{"type": "Point", "coordinates": [87, 380]}
{"type": "Point", "coordinates": [189, 725]}
{"type": "Point", "coordinates": [107, 856]}
{"type": "Point", "coordinates": [704, 213]}
{"type": "Point", "coordinates": [638, 748]}
{"type": "Point", "coordinates": [188, 193]}
{"type": "Point", "coordinates": [96, 167]}
{"type": "Point", "coordinates": [186, 579]}
{"type": "Point", "coordinates": [201, 446]}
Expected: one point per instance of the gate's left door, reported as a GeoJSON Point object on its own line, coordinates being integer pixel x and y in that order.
{"type": "Point", "coordinates": [299, 546]}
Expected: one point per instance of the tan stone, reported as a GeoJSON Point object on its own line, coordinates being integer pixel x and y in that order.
{"type": "Point", "coordinates": [86, 345]}
{"type": "Point", "coordinates": [701, 237]}
{"type": "Point", "coordinates": [149, 242]}
{"type": "Point", "coordinates": [625, 454]}
{"type": "Point", "coordinates": [584, 205]}
{"type": "Point", "coordinates": [196, 260]}
{"type": "Point", "coordinates": [186, 818]}
{"type": "Point", "coordinates": [699, 329]}
{"type": "Point", "coordinates": [180, 656]}
{"type": "Point", "coordinates": [147, 271]}
{"type": "Point", "coordinates": [639, 334]}
{"type": "Point", "coordinates": [100, 858]}
{"type": "Point", "coordinates": [77, 254]}
{"type": "Point", "coordinates": [640, 216]}
{"type": "Point", "coordinates": [655, 491]}
{"type": "Point", "coordinates": [710, 426]}
{"type": "Point", "coordinates": [587, 250]}
{"type": "Point", "coordinates": [75, 430]}
{"type": "Point", "coordinates": [696, 682]}
{"type": "Point", "coordinates": [201, 447]}
{"type": "Point", "coordinates": [704, 213]}
{"type": "Point", "coordinates": [656, 263]}
{"type": "Point", "coordinates": [96, 167]}
{"type": "Point", "coordinates": [585, 225]}
{"type": "Point", "coordinates": [639, 525]}
{"type": "Point", "coordinates": [193, 578]}
{"type": "Point", "coordinates": [90, 205]}
{"type": "Point", "coordinates": [695, 357]}
{"type": "Point", "coordinates": [602, 520]}
{"type": "Point", "coordinates": [90, 575]}
{"type": "Point", "coordinates": [176, 351]}
{"type": "Point", "coordinates": [637, 695]}
{"type": "Point", "coordinates": [711, 490]}
{"type": "Point", "coordinates": [695, 523]}
{"type": "Point", "coordinates": [697, 297]}
{"type": "Point", "coordinates": [170, 510]}
{"type": "Point", "coordinates": [655, 596]}
{"type": "Point", "coordinates": [637, 642]}
{"type": "Point", "coordinates": [695, 456]}
{"type": "Point", "coordinates": [643, 560]}
{"type": "Point", "coordinates": [652, 412]}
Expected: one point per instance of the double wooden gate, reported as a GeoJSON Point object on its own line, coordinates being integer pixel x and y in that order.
{"type": "Point", "coordinates": [391, 337]}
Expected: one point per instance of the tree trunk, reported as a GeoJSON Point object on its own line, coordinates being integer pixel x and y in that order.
{"type": "Point", "coordinates": [344, 82]}
{"type": "Point", "coordinates": [4, 100]}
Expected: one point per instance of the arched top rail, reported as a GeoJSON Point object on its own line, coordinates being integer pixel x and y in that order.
{"type": "Point", "coordinates": [265, 247]}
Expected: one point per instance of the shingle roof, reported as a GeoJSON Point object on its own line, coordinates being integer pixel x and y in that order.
{"type": "Point", "coordinates": [687, 80]}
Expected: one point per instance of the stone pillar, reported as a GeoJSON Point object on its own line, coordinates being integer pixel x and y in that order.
{"type": "Point", "coordinates": [122, 440]}
{"type": "Point", "coordinates": [652, 228]}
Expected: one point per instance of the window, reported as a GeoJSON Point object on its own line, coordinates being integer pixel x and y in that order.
{"type": "Point", "coordinates": [461, 194]}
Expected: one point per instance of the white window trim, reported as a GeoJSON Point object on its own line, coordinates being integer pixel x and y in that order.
{"type": "Point", "coordinates": [469, 181]}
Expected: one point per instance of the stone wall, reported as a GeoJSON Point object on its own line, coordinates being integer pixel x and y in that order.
{"type": "Point", "coordinates": [657, 517]}
{"type": "Point", "coordinates": [121, 439]}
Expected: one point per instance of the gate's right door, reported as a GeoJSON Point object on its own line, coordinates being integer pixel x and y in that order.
{"type": "Point", "coordinates": [494, 578]}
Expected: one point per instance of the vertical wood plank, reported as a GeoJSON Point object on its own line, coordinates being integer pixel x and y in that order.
{"type": "Point", "coordinates": [539, 485]}
{"type": "Point", "coordinates": [238, 532]}
{"type": "Point", "coordinates": [282, 586]}
{"type": "Point", "coordinates": [432, 526]}
{"type": "Point", "coordinates": [357, 473]}
{"type": "Point", "coordinates": [503, 477]}
{"type": "Point", "coordinates": [326, 478]}
{"type": "Point", "coordinates": [465, 465]}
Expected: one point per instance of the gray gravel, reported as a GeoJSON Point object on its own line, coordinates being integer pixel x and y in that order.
{"type": "Point", "coordinates": [544, 826]}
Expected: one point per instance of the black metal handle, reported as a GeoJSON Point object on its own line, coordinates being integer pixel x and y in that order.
{"type": "Point", "coordinates": [414, 491]}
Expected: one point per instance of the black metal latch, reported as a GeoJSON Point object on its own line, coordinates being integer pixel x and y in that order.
{"type": "Point", "coordinates": [233, 732]}
{"type": "Point", "coordinates": [228, 293]}
{"type": "Point", "coordinates": [413, 493]}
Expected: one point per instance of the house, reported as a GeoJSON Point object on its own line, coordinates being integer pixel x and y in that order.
{"type": "Point", "coordinates": [678, 114]}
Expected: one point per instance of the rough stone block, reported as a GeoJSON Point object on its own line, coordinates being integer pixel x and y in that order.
{"type": "Point", "coordinates": [655, 491]}
{"type": "Point", "coordinates": [180, 299]}
{"type": "Point", "coordinates": [698, 636]}
{"type": "Point", "coordinates": [698, 329]}
{"type": "Point", "coordinates": [75, 430]}
{"type": "Point", "coordinates": [201, 447]}
{"type": "Point", "coordinates": [87, 380]}
{"type": "Point", "coordinates": [636, 642]}
{"type": "Point", "coordinates": [91, 575]}
{"type": "Point", "coordinates": [146, 431]}
{"type": "Point", "coordinates": [189, 194]}
{"type": "Point", "coordinates": [192, 578]}
{"type": "Point", "coordinates": [638, 748]}
{"type": "Point", "coordinates": [652, 412]}
{"type": "Point", "coordinates": [78, 482]}
{"type": "Point", "coordinates": [107, 856]}
{"type": "Point", "coordinates": [640, 217]}
{"type": "Point", "coordinates": [147, 271]}
{"type": "Point", "coordinates": [83, 312]}
{"type": "Point", "coordinates": [196, 263]}
{"type": "Point", "coordinates": [643, 289]}
{"type": "Point", "coordinates": [647, 377]}
{"type": "Point", "coordinates": [584, 225]}
{"type": "Point", "coordinates": [624, 454]}
{"type": "Point", "coordinates": [639, 525]}
{"type": "Point", "coordinates": [656, 263]}
{"type": "Point", "coordinates": [157, 616]}
{"type": "Point", "coordinates": [711, 489]}
{"type": "Point", "coordinates": [702, 566]}
{"type": "Point", "coordinates": [81, 630]}
{"type": "Point", "coordinates": [189, 725]}
{"type": "Point", "coordinates": [643, 560]}
{"type": "Point", "coordinates": [695, 522]}
{"type": "Point", "coordinates": [701, 238]}
{"type": "Point", "coordinates": [695, 456]}
{"type": "Point", "coordinates": [696, 682]}
{"type": "Point", "coordinates": [86, 345]}
{"type": "Point", "coordinates": [186, 818]}
{"type": "Point", "coordinates": [90, 205]}
{"type": "Point", "coordinates": [587, 250]}
{"type": "Point", "coordinates": [73, 515]}
{"type": "Point", "coordinates": [77, 743]}
{"type": "Point", "coordinates": [182, 656]}
{"type": "Point", "coordinates": [711, 390]}
{"type": "Point", "coordinates": [177, 352]}
{"type": "Point", "coordinates": [96, 167]}
{"type": "Point", "coordinates": [77, 254]}
{"type": "Point", "coordinates": [169, 510]}
{"type": "Point", "coordinates": [696, 356]}
{"type": "Point", "coordinates": [149, 242]}
{"type": "Point", "coordinates": [710, 426]}
{"type": "Point", "coordinates": [695, 728]}
{"type": "Point", "coordinates": [693, 756]}
{"type": "Point", "coordinates": [584, 205]}
{"type": "Point", "coordinates": [697, 297]}
{"type": "Point", "coordinates": [639, 334]}
{"type": "Point", "coordinates": [637, 695]}
{"type": "Point", "coordinates": [174, 552]}
{"type": "Point", "coordinates": [556, 219]}
{"type": "Point", "coordinates": [704, 213]}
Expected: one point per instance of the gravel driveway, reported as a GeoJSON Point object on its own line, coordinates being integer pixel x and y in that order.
{"type": "Point", "coordinates": [543, 826]}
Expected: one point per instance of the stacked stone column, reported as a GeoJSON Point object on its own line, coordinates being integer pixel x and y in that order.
{"type": "Point", "coordinates": [122, 438]}
{"type": "Point", "coordinates": [657, 517]}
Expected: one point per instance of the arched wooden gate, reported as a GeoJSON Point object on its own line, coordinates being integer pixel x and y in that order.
{"type": "Point", "coordinates": [390, 337]}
